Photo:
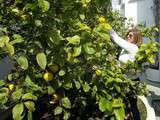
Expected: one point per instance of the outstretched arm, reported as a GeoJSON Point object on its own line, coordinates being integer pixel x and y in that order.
{"type": "Point", "coordinates": [131, 48]}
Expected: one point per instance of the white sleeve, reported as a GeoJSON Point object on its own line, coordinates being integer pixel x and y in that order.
{"type": "Point", "coordinates": [131, 48]}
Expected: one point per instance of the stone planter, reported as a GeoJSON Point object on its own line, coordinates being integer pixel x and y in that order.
{"type": "Point", "coordinates": [146, 111]}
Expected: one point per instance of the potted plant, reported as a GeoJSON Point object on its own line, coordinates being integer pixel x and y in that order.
{"type": "Point", "coordinates": [65, 63]}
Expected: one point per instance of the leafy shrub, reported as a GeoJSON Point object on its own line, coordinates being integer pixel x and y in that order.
{"type": "Point", "coordinates": [63, 54]}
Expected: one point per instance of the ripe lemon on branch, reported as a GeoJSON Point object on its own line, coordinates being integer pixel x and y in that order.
{"type": "Point", "coordinates": [98, 72]}
{"type": "Point", "coordinates": [48, 76]}
{"type": "Point", "coordinates": [101, 19]}
{"type": "Point", "coordinates": [11, 87]}
{"type": "Point", "coordinates": [104, 23]}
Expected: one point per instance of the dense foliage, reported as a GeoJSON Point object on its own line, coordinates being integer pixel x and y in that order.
{"type": "Point", "coordinates": [63, 55]}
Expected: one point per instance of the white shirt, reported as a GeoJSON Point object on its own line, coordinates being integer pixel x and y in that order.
{"type": "Point", "coordinates": [129, 49]}
{"type": "Point", "coordinates": [128, 53]}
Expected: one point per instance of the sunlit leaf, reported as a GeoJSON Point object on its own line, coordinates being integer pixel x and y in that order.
{"type": "Point", "coordinates": [3, 40]}
{"type": "Point", "coordinates": [23, 62]}
{"type": "Point", "coordinates": [16, 95]}
{"type": "Point", "coordinates": [88, 48]}
{"type": "Point", "coordinates": [86, 87]}
{"type": "Point", "coordinates": [77, 51]}
{"type": "Point", "coordinates": [29, 96]}
{"type": "Point", "coordinates": [44, 5]}
{"type": "Point", "coordinates": [9, 48]}
{"type": "Point", "coordinates": [30, 105]}
{"type": "Point", "coordinates": [17, 111]}
{"type": "Point", "coordinates": [119, 113]}
{"type": "Point", "coordinates": [66, 115]}
{"type": "Point", "coordinates": [105, 104]}
{"type": "Point", "coordinates": [58, 110]}
{"type": "Point", "coordinates": [66, 102]}
{"type": "Point", "coordinates": [73, 40]}
{"type": "Point", "coordinates": [41, 60]}
{"type": "Point", "coordinates": [17, 39]}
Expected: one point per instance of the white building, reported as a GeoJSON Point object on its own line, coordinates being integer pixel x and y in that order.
{"type": "Point", "coordinates": [142, 11]}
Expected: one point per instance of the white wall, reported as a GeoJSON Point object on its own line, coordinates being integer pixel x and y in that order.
{"type": "Point", "coordinates": [131, 11]}
{"type": "Point", "coordinates": [115, 5]}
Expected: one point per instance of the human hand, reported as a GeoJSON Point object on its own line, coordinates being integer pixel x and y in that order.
{"type": "Point", "coordinates": [111, 32]}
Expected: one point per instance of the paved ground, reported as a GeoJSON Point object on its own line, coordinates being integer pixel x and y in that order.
{"type": "Point", "coordinates": [154, 96]}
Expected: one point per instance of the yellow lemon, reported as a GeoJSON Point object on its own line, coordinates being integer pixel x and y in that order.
{"type": "Point", "coordinates": [11, 87]}
{"type": "Point", "coordinates": [98, 72]}
{"type": "Point", "coordinates": [101, 19]}
{"type": "Point", "coordinates": [48, 76]}
{"type": "Point", "coordinates": [108, 26]}
{"type": "Point", "coordinates": [54, 68]}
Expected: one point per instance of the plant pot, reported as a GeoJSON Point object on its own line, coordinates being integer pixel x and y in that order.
{"type": "Point", "coordinates": [145, 110]}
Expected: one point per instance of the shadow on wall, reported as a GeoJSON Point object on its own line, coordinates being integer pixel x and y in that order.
{"type": "Point", "coordinates": [5, 67]}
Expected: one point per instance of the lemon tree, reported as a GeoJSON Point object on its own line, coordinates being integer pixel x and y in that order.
{"type": "Point", "coordinates": [63, 57]}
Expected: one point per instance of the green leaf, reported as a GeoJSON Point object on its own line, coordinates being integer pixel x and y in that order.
{"type": "Point", "coordinates": [29, 96]}
{"type": "Point", "coordinates": [151, 60]}
{"type": "Point", "coordinates": [17, 111]}
{"type": "Point", "coordinates": [148, 51]}
{"type": "Point", "coordinates": [118, 80]}
{"type": "Point", "coordinates": [10, 77]}
{"type": "Point", "coordinates": [94, 90]}
{"type": "Point", "coordinates": [139, 58]}
{"type": "Point", "coordinates": [44, 5]}
{"type": "Point", "coordinates": [30, 105]}
{"type": "Point", "coordinates": [66, 102]}
{"type": "Point", "coordinates": [67, 85]}
{"type": "Point", "coordinates": [117, 103]}
{"type": "Point", "coordinates": [62, 73]}
{"type": "Point", "coordinates": [77, 51]}
{"type": "Point", "coordinates": [88, 48]}
{"type": "Point", "coordinates": [101, 31]}
{"type": "Point", "coordinates": [86, 87]}
{"type": "Point", "coordinates": [105, 104]}
{"type": "Point", "coordinates": [2, 82]}
{"type": "Point", "coordinates": [17, 94]}
{"type": "Point", "coordinates": [69, 56]}
{"type": "Point", "coordinates": [77, 84]}
{"type": "Point", "coordinates": [66, 115]}
{"type": "Point", "coordinates": [117, 88]}
{"type": "Point", "coordinates": [3, 98]}
{"type": "Point", "coordinates": [50, 90]}
{"type": "Point", "coordinates": [17, 39]}
{"type": "Point", "coordinates": [119, 113]}
{"type": "Point", "coordinates": [58, 110]}
{"type": "Point", "coordinates": [38, 23]}
{"type": "Point", "coordinates": [9, 48]}
{"type": "Point", "coordinates": [41, 60]}
{"type": "Point", "coordinates": [3, 40]}
{"type": "Point", "coordinates": [73, 40]}
{"type": "Point", "coordinates": [82, 16]}
{"type": "Point", "coordinates": [23, 62]}
{"type": "Point", "coordinates": [30, 84]}
{"type": "Point", "coordinates": [29, 115]}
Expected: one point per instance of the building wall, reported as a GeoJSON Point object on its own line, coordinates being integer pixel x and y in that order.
{"type": "Point", "coordinates": [5, 67]}
{"type": "Point", "coordinates": [131, 10]}
{"type": "Point", "coordinates": [145, 12]}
